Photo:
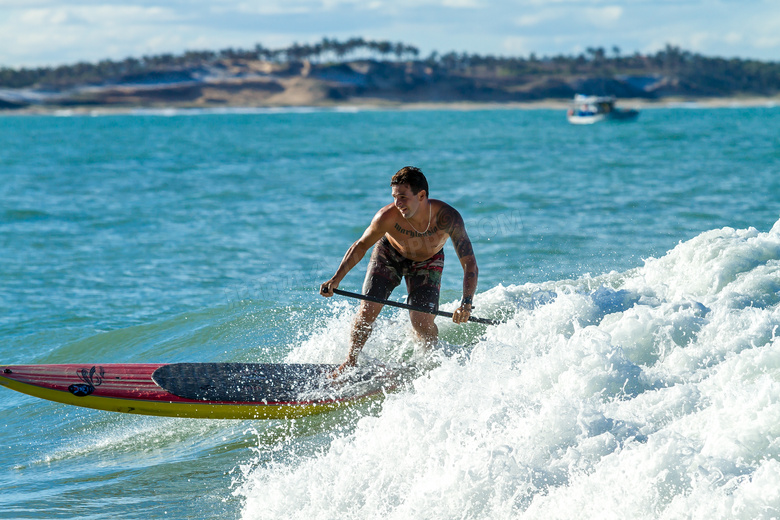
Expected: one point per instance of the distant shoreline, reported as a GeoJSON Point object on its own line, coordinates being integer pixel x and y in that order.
{"type": "Point", "coordinates": [381, 105]}
{"type": "Point", "coordinates": [324, 77]}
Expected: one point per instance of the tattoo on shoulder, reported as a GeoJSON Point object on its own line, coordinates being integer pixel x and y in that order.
{"type": "Point", "coordinates": [448, 219]}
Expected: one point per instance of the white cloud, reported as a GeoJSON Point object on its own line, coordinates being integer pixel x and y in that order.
{"type": "Point", "coordinates": [51, 17]}
{"type": "Point", "coordinates": [765, 32]}
{"type": "Point", "coordinates": [584, 17]}
{"type": "Point", "coordinates": [767, 42]}
{"type": "Point", "coordinates": [278, 7]}
{"type": "Point", "coordinates": [59, 34]}
{"type": "Point", "coordinates": [733, 37]}
{"type": "Point", "coordinates": [34, 32]}
{"type": "Point", "coordinates": [462, 4]}
{"type": "Point", "coordinates": [701, 41]}
{"type": "Point", "coordinates": [516, 45]}
{"type": "Point", "coordinates": [265, 8]}
{"type": "Point", "coordinates": [44, 17]}
{"type": "Point", "coordinates": [539, 17]}
{"type": "Point", "coordinates": [710, 42]}
{"type": "Point", "coordinates": [697, 41]}
{"type": "Point", "coordinates": [603, 16]}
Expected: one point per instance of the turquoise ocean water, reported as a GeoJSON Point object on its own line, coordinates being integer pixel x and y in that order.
{"type": "Point", "coordinates": [637, 266]}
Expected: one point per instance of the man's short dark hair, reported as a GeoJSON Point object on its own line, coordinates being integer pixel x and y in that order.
{"type": "Point", "coordinates": [413, 177]}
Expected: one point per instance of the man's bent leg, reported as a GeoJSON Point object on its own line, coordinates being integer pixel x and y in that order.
{"type": "Point", "coordinates": [423, 283]}
{"type": "Point", "coordinates": [361, 329]}
{"type": "Point", "coordinates": [425, 328]}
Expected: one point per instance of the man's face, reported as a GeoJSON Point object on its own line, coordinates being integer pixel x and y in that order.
{"type": "Point", "coordinates": [406, 201]}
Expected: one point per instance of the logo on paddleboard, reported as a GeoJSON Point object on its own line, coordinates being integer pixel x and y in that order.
{"type": "Point", "coordinates": [92, 378]}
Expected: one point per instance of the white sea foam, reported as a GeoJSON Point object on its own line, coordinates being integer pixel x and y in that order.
{"type": "Point", "coordinates": [653, 393]}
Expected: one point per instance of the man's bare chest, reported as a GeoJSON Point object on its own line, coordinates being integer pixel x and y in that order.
{"type": "Point", "coordinates": [417, 245]}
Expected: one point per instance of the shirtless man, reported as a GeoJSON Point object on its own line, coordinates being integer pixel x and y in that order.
{"type": "Point", "coordinates": [411, 233]}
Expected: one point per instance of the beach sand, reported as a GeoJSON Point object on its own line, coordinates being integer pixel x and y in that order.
{"type": "Point", "coordinates": [300, 97]}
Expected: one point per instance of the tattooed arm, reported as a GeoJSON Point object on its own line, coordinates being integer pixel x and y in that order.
{"type": "Point", "coordinates": [450, 220]}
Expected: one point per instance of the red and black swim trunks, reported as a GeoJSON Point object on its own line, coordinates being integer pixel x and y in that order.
{"type": "Point", "coordinates": [387, 267]}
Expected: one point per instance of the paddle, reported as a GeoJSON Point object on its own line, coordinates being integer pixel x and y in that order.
{"type": "Point", "coordinates": [410, 307]}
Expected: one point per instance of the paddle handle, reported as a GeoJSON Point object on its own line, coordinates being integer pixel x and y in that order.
{"type": "Point", "coordinates": [409, 307]}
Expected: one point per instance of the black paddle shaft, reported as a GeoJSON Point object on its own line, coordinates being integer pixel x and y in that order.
{"type": "Point", "coordinates": [409, 307]}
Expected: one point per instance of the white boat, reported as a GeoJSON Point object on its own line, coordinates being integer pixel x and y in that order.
{"type": "Point", "coordinates": [587, 110]}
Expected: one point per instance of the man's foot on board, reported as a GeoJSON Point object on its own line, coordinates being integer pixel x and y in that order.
{"type": "Point", "coordinates": [342, 368]}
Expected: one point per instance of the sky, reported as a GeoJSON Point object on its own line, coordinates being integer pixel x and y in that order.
{"type": "Point", "coordinates": [53, 32]}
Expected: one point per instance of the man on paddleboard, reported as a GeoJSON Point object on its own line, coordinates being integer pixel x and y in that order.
{"type": "Point", "coordinates": [409, 235]}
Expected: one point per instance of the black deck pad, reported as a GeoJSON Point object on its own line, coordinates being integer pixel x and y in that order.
{"type": "Point", "coordinates": [267, 382]}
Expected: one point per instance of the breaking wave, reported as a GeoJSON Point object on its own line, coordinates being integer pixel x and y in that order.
{"type": "Point", "coordinates": [650, 393]}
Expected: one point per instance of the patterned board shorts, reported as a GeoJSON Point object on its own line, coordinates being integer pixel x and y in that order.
{"type": "Point", "coordinates": [387, 266]}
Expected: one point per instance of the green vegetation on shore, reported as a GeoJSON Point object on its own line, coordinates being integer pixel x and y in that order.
{"type": "Point", "coordinates": [718, 76]}
{"type": "Point", "coordinates": [82, 73]}
{"type": "Point", "coordinates": [332, 71]}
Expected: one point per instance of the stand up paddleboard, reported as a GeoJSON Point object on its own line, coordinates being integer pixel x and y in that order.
{"type": "Point", "coordinates": [201, 390]}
